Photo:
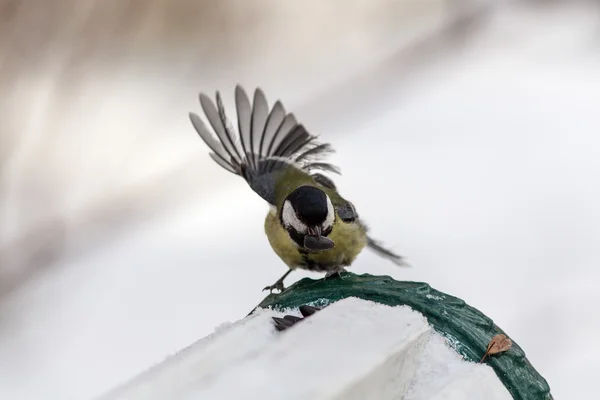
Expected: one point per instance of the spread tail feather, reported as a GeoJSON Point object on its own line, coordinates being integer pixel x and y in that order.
{"type": "Point", "coordinates": [377, 247]}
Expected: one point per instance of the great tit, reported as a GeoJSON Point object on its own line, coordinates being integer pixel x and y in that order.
{"type": "Point", "coordinates": [310, 225]}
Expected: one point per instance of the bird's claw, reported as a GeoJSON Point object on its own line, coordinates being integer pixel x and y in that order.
{"type": "Point", "coordinates": [337, 274]}
{"type": "Point", "coordinates": [276, 286]}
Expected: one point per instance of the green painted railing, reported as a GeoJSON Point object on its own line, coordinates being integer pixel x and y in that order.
{"type": "Point", "coordinates": [466, 328]}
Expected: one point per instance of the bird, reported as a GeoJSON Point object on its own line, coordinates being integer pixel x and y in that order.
{"type": "Point", "coordinates": [309, 225]}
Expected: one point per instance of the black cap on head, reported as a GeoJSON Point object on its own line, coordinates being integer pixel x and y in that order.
{"type": "Point", "coordinates": [310, 204]}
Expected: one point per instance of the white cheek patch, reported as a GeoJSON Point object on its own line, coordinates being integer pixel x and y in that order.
{"type": "Point", "coordinates": [330, 215]}
{"type": "Point", "coordinates": [291, 219]}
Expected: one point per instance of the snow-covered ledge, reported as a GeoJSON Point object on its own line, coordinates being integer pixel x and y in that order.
{"type": "Point", "coordinates": [352, 349]}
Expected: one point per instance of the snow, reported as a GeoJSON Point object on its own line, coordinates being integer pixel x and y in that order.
{"type": "Point", "coordinates": [440, 366]}
{"type": "Point", "coordinates": [352, 349]}
{"type": "Point", "coordinates": [445, 374]}
{"type": "Point", "coordinates": [480, 167]}
{"type": "Point", "coordinates": [204, 360]}
{"type": "Point", "coordinates": [310, 362]}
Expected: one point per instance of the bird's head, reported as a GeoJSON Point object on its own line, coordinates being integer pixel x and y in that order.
{"type": "Point", "coordinates": [308, 216]}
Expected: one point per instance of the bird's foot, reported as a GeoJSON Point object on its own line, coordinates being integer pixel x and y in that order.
{"type": "Point", "coordinates": [276, 286]}
{"type": "Point", "coordinates": [279, 284]}
{"type": "Point", "coordinates": [336, 273]}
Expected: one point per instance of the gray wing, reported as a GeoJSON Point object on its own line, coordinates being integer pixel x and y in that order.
{"type": "Point", "coordinates": [267, 141]}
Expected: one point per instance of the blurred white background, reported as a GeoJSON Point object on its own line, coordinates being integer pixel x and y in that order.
{"type": "Point", "coordinates": [467, 133]}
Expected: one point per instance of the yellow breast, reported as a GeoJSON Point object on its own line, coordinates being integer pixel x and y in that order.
{"type": "Point", "coordinates": [349, 238]}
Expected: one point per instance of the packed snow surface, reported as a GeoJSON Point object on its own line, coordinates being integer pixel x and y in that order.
{"type": "Point", "coordinates": [352, 349]}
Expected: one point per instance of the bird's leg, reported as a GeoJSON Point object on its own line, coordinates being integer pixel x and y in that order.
{"type": "Point", "coordinates": [279, 284]}
{"type": "Point", "coordinates": [334, 272]}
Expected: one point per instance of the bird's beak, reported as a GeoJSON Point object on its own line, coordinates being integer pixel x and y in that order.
{"type": "Point", "coordinates": [314, 231]}
{"type": "Point", "coordinates": [315, 242]}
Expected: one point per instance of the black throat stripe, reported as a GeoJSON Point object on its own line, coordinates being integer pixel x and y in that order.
{"type": "Point", "coordinates": [312, 265]}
